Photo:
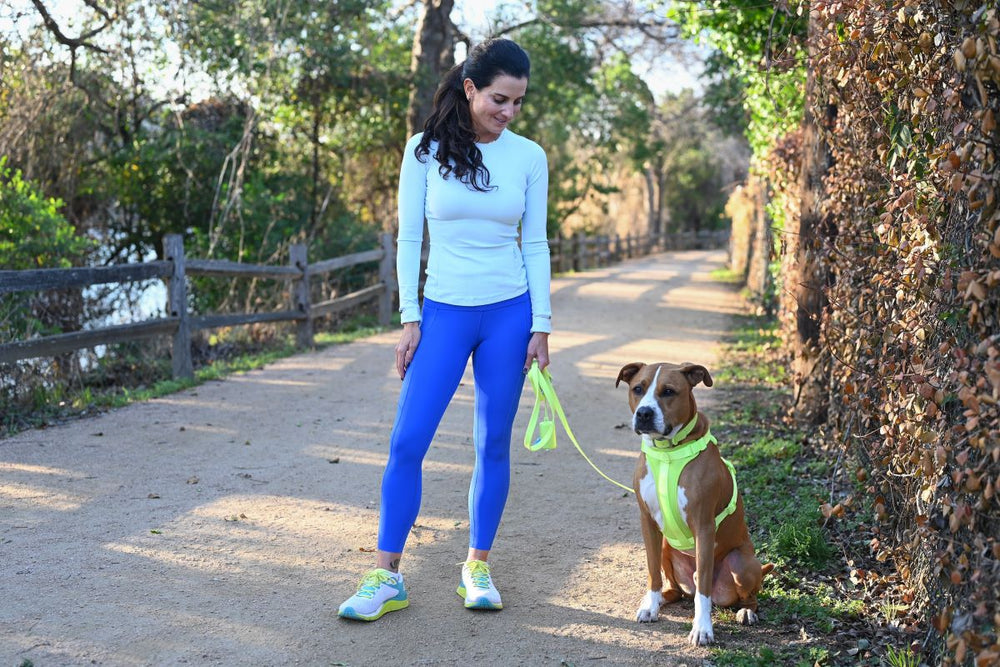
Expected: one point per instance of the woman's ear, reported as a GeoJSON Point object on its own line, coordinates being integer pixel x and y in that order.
{"type": "Point", "coordinates": [469, 87]}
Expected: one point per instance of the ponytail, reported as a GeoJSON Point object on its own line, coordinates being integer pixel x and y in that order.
{"type": "Point", "coordinates": [450, 124]}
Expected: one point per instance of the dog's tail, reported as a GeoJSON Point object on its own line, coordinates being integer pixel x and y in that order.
{"type": "Point", "coordinates": [765, 569]}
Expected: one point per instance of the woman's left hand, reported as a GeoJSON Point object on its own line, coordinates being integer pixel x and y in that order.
{"type": "Point", "coordinates": [538, 348]}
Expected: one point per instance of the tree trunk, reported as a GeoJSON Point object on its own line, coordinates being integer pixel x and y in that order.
{"type": "Point", "coordinates": [433, 55]}
{"type": "Point", "coordinates": [760, 245]}
{"type": "Point", "coordinates": [652, 210]}
{"type": "Point", "coordinates": [808, 278]}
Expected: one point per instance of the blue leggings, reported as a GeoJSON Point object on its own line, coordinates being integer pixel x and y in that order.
{"type": "Point", "coordinates": [496, 335]}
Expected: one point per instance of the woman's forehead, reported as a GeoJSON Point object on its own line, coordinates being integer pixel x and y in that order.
{"type": "Point", "coordinates": [508, 85]}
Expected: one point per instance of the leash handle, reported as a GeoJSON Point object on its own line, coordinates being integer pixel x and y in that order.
{"type": "Point", "coordinates": [541, 382]}
{"type": "Point", "coordinates": [545, 396]}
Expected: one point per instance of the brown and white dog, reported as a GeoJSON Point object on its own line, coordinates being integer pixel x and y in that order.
{"type": "Point", "coordinates": [721, 568]}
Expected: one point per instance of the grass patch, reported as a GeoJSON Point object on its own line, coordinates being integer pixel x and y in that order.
{"type": "Point", "coordinates": [828, 601]}
{"type": "Point", "coordinates": [783, 482]}
{"type": "Point", "coordinates": [727, 275]}
{"type": "Point", "coordinates": [804, 656]}
{"type": "Point", "coordinates": [790, 602]}
{"type": "Point", "coordinates": [752, 354]}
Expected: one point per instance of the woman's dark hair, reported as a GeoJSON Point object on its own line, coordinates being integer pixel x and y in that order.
{"type": "Point", "coordinates": [450, 123]}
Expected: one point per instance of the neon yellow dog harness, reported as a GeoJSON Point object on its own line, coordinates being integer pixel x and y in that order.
{"type": "Point", "coordinates": [666, 460]}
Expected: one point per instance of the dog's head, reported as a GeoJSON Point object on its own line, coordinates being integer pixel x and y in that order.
{"type": "Point", "coordinates": [660, 395]}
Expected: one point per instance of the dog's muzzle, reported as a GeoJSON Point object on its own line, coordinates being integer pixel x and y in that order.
{"type": "Point", "coordinates": [644, 420]}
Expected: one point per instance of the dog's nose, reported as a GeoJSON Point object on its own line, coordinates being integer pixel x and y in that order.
{"type": "Point", "coordinates": [644, 416]}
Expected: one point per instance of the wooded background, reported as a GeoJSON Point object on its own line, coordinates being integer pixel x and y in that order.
{"type": "Point", "coordinates": [851, 146]}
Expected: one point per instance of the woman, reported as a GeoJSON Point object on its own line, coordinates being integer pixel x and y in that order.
{"type": "Point", "coordinates": [477, 183]}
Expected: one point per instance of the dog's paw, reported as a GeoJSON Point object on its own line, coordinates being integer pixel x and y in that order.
{"type": "Point", "coordinates": [701, 636]}
{"type": "Point", "coordinates": [701, 629]}
{"type": "Point", "coordinates": [746, 617]}
{"type": "Point", "coordinates": [649, 609]}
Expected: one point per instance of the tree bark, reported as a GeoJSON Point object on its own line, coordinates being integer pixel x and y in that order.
{"type": "Point", "coordinates": [760, 244]}
{"type": "Point", "coordinates": [433, 55]}
{"type": "Point", "coordinates": [809, 277]}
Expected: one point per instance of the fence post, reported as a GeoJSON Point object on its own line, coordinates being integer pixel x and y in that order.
{"type": "Point", "coordinates": [581, 252]}
{"type": "Point", "coordinates": [173, 251]}
{"type": "Point", "coordinates": [298, 258]}
{"type": "Point", "coordinates": [387, 276]}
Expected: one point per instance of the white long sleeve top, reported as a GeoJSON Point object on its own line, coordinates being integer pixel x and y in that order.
{"type": "Point", "coordinates": [475, 258]}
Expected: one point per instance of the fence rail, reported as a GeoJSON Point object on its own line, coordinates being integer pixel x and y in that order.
{"type": "Point", "coordinates": [578, 252]}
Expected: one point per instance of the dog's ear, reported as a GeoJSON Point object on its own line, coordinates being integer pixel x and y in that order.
{"type": "Point", "coordinates": [696, 373]}
{"type": "Point", "coordinates": [628, 372]}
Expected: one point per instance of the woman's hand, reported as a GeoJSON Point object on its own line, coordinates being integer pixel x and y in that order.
{"type": "Point", "coordinates": [407, 345]}
{"type": "Point", "coordinates": [538, 348]}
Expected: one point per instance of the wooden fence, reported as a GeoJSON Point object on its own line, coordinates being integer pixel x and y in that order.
{"type": "Point", "coordinates": [578, 253]}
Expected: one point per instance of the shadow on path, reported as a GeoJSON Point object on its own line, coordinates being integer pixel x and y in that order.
{"type": "Point", "coordinates": [224, 524]}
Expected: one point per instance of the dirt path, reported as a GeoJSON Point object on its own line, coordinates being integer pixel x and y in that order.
{"type": "Point", "coordinates": [225, 524]}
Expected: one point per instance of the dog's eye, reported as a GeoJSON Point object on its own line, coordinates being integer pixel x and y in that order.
{"type": "Point", "coordinates": [638, 390]}
{"type": "Point", "coordinates": [666, 392]}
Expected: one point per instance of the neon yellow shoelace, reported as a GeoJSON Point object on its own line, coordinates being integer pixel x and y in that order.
{"type": "Point", "coordinates": [372, 582]}
{"type": "Point", "coordinates": [479, 572]}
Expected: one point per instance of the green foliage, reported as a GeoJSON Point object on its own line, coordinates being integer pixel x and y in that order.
{"type": "Point", "coordinates": [801, 541]}
{"type": "Point", "coordinates": [725, 94]}
{"type": "Point", "coordinates": [622, 119]}
{"type": "Point", "coordinates": [760, 61]}
{"type": "Point", "coordinates": [901, 657]}
{"type": "Point", "coordinates": [693, 192]}
{"type": "Point", "coordinates": [33, 233]}
{"type": "Point", "coordinates": [561, 79]}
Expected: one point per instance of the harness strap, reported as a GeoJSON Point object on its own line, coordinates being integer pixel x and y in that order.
{"type": "Point", "coordinates": [666, 466]}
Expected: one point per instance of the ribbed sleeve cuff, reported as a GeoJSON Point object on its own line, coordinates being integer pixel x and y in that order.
{"type": "Point", "coordinates": [541, 325]}
{"type": "Point", "coordinates": [409, 315]}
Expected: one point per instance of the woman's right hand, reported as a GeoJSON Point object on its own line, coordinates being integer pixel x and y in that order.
{"type": "Point", "coordinates": [407, 345]}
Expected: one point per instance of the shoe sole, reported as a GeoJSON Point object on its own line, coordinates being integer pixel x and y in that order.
{"type": "Point", "coordinates": [387, 606]}
{"type": "Point", "coordinates": [480, 603]}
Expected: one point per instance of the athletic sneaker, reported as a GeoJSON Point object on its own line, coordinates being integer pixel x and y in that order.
{"type": "Point", "coordinates": [477, 586]}
{"type": "Point", "coordinates": [380, 591]}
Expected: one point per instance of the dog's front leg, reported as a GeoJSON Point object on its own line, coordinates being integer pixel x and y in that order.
{"type": "Point", "coordinates": [652, 537]}
{"type": "Point", "coordinates": [704, 554]}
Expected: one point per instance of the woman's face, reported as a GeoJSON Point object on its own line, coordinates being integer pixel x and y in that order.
{"type": "Point", "coordinates": [494, 106]}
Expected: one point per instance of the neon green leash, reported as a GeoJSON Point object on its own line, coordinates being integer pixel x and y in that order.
{"type": "Point", "coordinates": [546, 399]}
{"type": "Point", "coordinates": [665, 458]}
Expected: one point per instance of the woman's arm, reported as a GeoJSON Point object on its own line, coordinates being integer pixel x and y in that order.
{"type": "Point", "coordinates": [537, 266]}
{"type": "Point", "coordinates": [410, 206]}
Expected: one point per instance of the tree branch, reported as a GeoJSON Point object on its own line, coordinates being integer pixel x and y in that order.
{"type": "Point", "coordinates": [74, 42]}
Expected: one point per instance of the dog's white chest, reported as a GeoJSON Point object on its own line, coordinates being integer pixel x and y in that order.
{"type": "Point", "coordinates": [647, 489]}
